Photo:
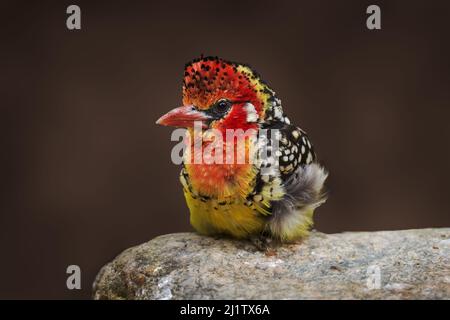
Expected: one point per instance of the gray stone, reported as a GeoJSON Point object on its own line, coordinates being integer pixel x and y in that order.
{"type": "Point", "coordinates": [409, 264]}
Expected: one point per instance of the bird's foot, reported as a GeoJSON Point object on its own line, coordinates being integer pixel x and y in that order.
{"type": "Point", "coordinates": [264, 244]}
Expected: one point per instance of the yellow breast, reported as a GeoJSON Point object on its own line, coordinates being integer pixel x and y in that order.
{"type": "Point", "coordinates": [233, 217]}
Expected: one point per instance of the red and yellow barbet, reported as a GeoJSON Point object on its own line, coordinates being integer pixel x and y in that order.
{"type": "Point", "coordinates": [237, 199]}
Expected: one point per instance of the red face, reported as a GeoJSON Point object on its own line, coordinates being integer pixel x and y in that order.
{"type": "Point", "coordinates": [222, 95]}
{"type": "Point", "coordinates": [218, 93]}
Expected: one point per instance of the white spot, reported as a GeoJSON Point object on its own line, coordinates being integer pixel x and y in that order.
{"type": "Point", "coordinates": [291, 157]}
{"type": "Point", "coordinates": [252, 116]}
{"type": "Point", "coordinates": [309, 159]}
{"type": "Point", "coordinates": [277, 113]}
{"type": "Point", "coordinates": [285, 158]}
{"type": "Point", "coordinates": [286, 119]}
{"type": "Point", "coordinates": [257, 198]}
{"type": "Point", "coordinates": [303, 149]}
{"type": "Point", "coordinates": [295, 134]}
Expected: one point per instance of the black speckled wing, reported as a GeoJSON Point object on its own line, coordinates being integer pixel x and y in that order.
{"type": "Point", "coordinates": [295, 149]}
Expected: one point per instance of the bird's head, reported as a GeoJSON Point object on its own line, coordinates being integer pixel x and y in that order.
{"type": "Point", "coordinates": [222, 95]}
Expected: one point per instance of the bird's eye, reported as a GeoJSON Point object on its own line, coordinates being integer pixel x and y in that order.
{"type": "Point", "coordinates": [221, 107]}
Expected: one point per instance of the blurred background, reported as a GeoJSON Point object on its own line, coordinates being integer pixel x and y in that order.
{"type": "Point", "coordinates": [86, 173]}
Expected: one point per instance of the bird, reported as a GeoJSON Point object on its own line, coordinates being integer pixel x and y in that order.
{"type": "Point", "coordinates": [266, 201]}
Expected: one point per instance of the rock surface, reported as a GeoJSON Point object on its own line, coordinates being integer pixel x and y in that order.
{"type": "Point", "coordinates": [409, 264]}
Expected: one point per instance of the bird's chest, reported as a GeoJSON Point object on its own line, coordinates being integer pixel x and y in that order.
{"type": "Point", "coordinates": [233, 217]}
{"type": "Point", "coordinates": [220, 181]}
{"type": "Point", "coordinates": [216, 197]}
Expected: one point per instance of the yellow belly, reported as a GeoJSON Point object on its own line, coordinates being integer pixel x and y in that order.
{"type": "Point", "coordinates": [233, 218]}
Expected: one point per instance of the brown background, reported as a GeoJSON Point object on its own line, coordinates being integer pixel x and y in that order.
{"type": "Point", "coordinates": [86, 173]}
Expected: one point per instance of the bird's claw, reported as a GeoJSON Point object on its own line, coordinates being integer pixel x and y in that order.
{"type": "Point", "coordinates": [264, 244]}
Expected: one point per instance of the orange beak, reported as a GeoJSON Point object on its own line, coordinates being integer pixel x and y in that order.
{"type": "Point", "coordinates": [183, 117]}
